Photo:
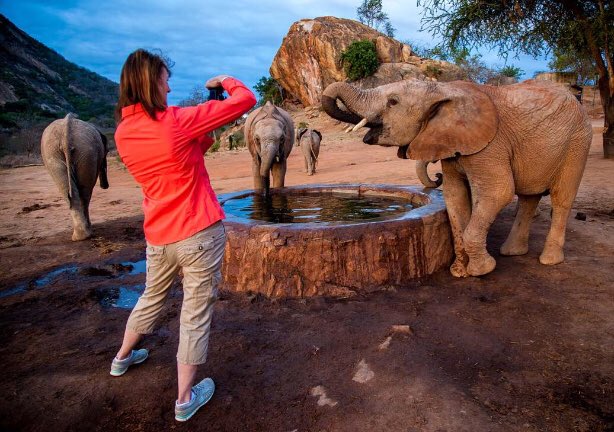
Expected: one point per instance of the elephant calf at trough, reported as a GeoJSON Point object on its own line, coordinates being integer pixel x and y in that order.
{"type": "Point", "coordinates": [530, 139]}
{"type": "Point", "coordinates": [309, 140]}
{"type": "Point", "coordinates": [74, 152]}
{"type": "Point", "coordinates": [269, 134]}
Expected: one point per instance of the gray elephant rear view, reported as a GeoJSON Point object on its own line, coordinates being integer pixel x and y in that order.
{"type": "Point", "coordinates": [74, 152]}
{"type": "Point", "coordinates": [269, 134]}
{"type": "Point", "coordinates": [309, 141]}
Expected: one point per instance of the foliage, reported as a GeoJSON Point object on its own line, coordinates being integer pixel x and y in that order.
{"type": "Point", "coordinates": [511, 71]}
{"type": "Point", "coordinates": [214, 147]}
{"type": "Point", "coordinates": [370, 13]}
{"type": "Point", "coordinates": [269, 90]}
{"type": "Point", "coordinates": [302, 125]}
{"type": "Point", "coordinates": [583, 29]}
{"type": "Point", "coordinates": [198, 95]}
{"type": "Point", "coordinates": [566, 61]}
{"type": "Point", "coordinates": [360, 59]}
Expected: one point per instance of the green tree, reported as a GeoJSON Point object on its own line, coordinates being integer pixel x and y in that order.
{"type": "Point", "coordinates": [511, 71]}
{"type": "Point", "coordinates": [198, 95]}
{"type": "Point", "coordinates": [370, 13]}
{"type": "Point", "coordinates": [584, 28]}
{"type": "Point", "coordinates": [565, 61]}
{"type": "Point", "coordinates": [269, 90]}
{"type": "Point", "coordinates": [360, 59]}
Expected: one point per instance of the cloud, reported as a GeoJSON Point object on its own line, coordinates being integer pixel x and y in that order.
{"type": "Point", "coordinates": [203, 38]}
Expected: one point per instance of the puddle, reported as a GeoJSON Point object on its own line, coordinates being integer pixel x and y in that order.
{"type": "Point", "coordinates": [136, 267]}
{"type": "Point", "coordinates": [124, 297]}
{"type": "Point", "coordinates": [16, 290]}
{"type": "Point", "coordinates": [52, 276]}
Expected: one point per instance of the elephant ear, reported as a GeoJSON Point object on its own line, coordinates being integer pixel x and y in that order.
{"type": "Point", "coordinates": [318, 133]}
{"type": "Point", "coordinates": [461, 122]}
{"type": "Point", "coordinates": [299, 135]}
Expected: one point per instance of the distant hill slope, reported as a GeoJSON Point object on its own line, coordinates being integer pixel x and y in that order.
{"type": "Point", "coordinates": [36, 83]}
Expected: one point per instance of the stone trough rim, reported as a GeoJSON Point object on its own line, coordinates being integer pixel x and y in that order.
{"type": "Point", "coordinates": [432, 203]}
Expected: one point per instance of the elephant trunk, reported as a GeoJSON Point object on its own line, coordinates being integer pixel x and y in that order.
{"type": "Point", "coordinates": [359, 104]}
{"type": "Point", "coordinates": [423, 175]}
{"type": "Point", "coordinates": [268, 154]}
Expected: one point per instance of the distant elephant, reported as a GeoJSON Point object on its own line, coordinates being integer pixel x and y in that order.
{"type": "Point", "coordinates": [75, 154]}
{"type": "Point", "coordinates": [269, 134]}
{"type": "Point", "coordinates": [309, 141]}
{"type": "Point", "coordinates": [528, 139]}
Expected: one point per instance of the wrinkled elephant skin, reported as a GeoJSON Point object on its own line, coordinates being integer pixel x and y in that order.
{"type": "Point", "coordinates": [528, 139]}
{"type": "Point", "coordinates": [309, 140]}
{"type": "Point", "coordinates": [74, 153]}
{"type": "Point", "coordinates": [269, 134]}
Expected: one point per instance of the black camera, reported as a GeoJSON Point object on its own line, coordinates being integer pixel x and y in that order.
{"type": "Point", "coordinates": [216, 93]}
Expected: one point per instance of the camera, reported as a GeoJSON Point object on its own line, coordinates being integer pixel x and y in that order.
{"type": "Point", "coordinates": [216, 93]}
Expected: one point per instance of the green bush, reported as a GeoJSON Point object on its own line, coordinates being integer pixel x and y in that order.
{"type": "Point", "coordinates": [360, 59]}
{"type": "Point", "coordinates": [302, 125]}
{"type": "Point", "coordinates": [269, 90]}
{"type": "Point", "coordinates": [215, 147]}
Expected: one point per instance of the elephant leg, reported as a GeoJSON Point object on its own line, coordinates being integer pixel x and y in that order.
{"type": "Point", "coordinates": [310, 165]}
{"type": "Point", "coordinates": [458, 204]}
{"type": "Point", "coordinates": [562, 194]}
{"type": "Point", "coordinates": [80, 220]}
{"type": "Point", "coordinates": [517, 242]}
{"type": "Point", "coordinates": [487, 203]}
{"type": "Point", "coordinates": [279, 173]}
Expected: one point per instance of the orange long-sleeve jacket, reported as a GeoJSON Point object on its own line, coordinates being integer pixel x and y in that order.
{"type": "Point", "coordinates": [165, 156]}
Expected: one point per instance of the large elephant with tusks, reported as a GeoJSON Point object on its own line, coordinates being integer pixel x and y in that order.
{"type": "Point", "coordinates": [269, 134]}
{"type": "Point", "coordinates": [74, 152]}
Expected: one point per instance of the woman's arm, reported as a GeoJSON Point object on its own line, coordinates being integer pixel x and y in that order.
{"type": "Point", "coordinates": [200, 119]}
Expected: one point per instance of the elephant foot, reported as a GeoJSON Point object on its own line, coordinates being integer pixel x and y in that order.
{"type": "Point", "coordinates": [511, 248]}
{"type": "Point", "coordinates": [551, 255]}
{"type": "Point", "coordinates": [481, 267]}
{"type": "Point", "coordinates": [458, 269]}
{"type": "Point", "coordinates": [309, 173]}
{"type": "Point", "coordinates": [79, 235]}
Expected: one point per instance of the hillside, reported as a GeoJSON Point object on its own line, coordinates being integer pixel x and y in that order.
{"type": "Point", "coordinates": [37, 84]}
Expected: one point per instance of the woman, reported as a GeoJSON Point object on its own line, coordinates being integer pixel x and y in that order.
{"type": "Point", "coordinates": [163, 148]}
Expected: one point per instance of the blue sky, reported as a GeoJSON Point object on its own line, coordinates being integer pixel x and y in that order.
{"type": "Point", "coordinates": [204, 38]}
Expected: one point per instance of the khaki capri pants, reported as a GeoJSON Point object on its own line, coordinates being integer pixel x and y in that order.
{"type": "Point", "coordinates": [200, 258]}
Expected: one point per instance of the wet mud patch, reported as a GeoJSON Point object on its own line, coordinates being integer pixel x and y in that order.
{"type": "Point", "coordinates": [35, 207]}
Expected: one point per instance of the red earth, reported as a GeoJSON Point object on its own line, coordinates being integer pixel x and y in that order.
{"type": "Point", "coordinates": [525, 348]}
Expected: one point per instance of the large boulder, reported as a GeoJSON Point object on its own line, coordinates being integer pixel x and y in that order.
{"type": "Point", "coordinates": [309, 58]}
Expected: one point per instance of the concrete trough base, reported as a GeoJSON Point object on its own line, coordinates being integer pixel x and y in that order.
{"type": "Point", "coordinates": [338, 259]}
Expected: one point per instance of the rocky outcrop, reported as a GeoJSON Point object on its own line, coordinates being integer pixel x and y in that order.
{"type": "Point", "coordinates": [309, 58]}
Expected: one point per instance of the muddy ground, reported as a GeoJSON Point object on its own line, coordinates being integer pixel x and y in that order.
{"type": "Point", "coordinates": [525, 348]}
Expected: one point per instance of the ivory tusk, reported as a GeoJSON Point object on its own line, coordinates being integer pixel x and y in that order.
{"type": "Point", "coordinates": [360, 124]}
{"type": "Point", "coordinates": [349, 129]}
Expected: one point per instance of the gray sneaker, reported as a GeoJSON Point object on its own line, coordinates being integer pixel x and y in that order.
{"type": "Point", "coordinates": [119, 367]}
{"type": "Point", "coordinates": [201, 394]}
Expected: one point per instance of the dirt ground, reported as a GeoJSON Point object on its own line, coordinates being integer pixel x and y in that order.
{"type": "Point", "coordinates": [525, 348]}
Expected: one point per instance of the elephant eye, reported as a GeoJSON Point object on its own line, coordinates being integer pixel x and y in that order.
{"type": "Point", "coordinates": [392, 101]}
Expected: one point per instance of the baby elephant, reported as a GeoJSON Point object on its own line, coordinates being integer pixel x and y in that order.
{"type": "Point", "coordinates": [74, 152]}
{"type": "Point", "coordinates": [269, 134]}
{"type": "Point", "coordinates": [309, 140]}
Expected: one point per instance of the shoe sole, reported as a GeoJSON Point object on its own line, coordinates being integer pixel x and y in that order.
{"type": "Point", "coordinates": [183, 419]}
{"type": "Point", "coordinates": [116, 374]}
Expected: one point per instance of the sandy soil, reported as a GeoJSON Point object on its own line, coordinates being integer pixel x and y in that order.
{"type": "Point", "coordinates": [525, 348]}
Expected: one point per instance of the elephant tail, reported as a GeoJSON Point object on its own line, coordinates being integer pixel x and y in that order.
{"type": "Point", "coordinates": [73, 192]}
{"type": "Point", "coordinates": [423, 175]}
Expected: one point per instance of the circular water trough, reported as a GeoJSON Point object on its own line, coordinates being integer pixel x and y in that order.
{"type": "Point", "coordinates": [337, 258]}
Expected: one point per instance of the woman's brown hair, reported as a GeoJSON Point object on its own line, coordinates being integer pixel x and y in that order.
{"type": "Point", "coordinates": [139, 83]}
